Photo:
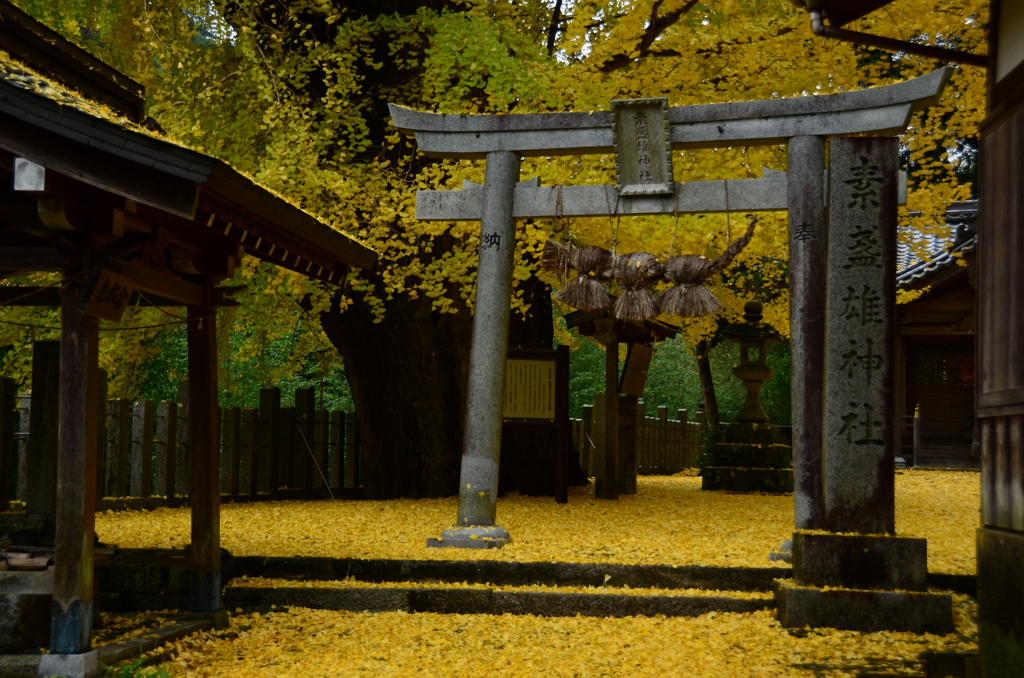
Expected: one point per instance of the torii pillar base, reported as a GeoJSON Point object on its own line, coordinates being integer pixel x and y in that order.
{"type": "Point", "coordinates": [472, 537]}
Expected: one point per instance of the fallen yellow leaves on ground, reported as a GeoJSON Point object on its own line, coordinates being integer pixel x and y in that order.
{"type": "Point", "coordinates": [669, 521]}
{"type": "Point", "coordinates": [312, 643]}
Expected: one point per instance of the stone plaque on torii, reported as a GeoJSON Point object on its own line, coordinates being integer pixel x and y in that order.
{"type": "Point", "coordinates": [803, 124]}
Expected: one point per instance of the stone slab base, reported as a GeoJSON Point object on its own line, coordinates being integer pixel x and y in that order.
{"type": "Point", "coordinates": [730, 479]}
{"type": "Point", "coordinates": [1000, 602]}
{"type": "Point", "coordinates": [860, 561]}
{"type": "Point", "coordinates": [28, 529]}
{"type": "Point", "coordinates": [753, 456]}
{"type": "Point", "coordinates": [85, 665]}
{"type": "Point", "coordinates": [472, 537]}
{"type": "Point", "coordinates": [857, 610]}
{"type": "Point", "coordinates": [487, 601]}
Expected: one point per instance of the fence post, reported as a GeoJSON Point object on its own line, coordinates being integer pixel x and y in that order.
{"type": "Point", "coordinates": [321, 453]}
{"type": "Point", "coordinates": [917, 436]}
{"type": "Point", "coordinates": [101, 431]}
{"type": "Point", "coordinates": [248, 459]}
{"type": "Point", "coordinates": [8, 389]}
{"type": "Point", "coordinates": [182, 455]}
{"type": "Point", "coordinates": [142, 449]}
{"type": "Point", "coordinates": [663, 439]}
{"type": "Point", "coordinates": [119, 441]}
{"type": "Point", "coordinates": [166, 448]}
{"type": "Point", "coordinates": [351, 451]}
{"type": "Point", "coordinates": [270, 439]}
{"type": "Point", "coordinates": [642, 431]}
{"type": "Point", "coordinates": [24, 426]}
{"type": "Point", "coordinates": [231, 423]}
{"type": "Point", "coordinates": [587, 459]}
{"type": "Point", "coordinates": [289, 448]}
{"type": "Point", "coordinates": [336, 450]}
{"type": "Point", "coordinates": [305, 425]}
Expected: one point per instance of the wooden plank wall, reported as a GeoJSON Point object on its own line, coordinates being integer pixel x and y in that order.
{"type": "Point", "coordinates": [1000, 339]}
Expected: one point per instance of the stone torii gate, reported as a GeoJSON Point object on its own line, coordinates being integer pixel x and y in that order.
{"type": "Point", "coordinates": [646, 187]}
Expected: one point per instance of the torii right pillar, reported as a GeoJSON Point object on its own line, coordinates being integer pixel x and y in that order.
{"type": "Point", "coordinates": [877, 581]}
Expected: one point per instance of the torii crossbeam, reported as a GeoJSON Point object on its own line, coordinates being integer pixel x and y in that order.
{"type": "Point", "coordinates": [801, 123]}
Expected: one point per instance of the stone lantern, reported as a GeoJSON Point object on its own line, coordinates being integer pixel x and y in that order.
{"type": "Point", "coordinates": [749, 457]}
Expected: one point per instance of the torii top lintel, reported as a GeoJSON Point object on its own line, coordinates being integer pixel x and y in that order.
{"type": "Point", "coordinates": [879, 110]}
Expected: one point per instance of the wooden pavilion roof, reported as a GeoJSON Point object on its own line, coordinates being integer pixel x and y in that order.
{"type": "Point", "coordinates": [112, 182]}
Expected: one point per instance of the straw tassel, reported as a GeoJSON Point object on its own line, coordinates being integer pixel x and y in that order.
{"type": "Point", "coordinates": [585, 292]}
{"type": "Point", "coordinates": [637, 272]}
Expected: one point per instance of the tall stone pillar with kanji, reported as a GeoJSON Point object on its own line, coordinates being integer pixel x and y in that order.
{"type": "Point", "coordinates": [875, 580]}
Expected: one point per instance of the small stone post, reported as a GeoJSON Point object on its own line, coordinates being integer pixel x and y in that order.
{"type": "Point", "coordinates": [478, 481]}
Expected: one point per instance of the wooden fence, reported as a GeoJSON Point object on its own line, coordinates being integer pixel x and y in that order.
{"type": "Point", "coordinates": [663, 446]}
{"type": "Point", "coordinates": [266, 452]}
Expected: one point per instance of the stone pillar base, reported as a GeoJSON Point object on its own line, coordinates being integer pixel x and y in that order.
{"type": "Point", "coordinates": [472, 537]}
{"type": "Point", "coordinates": [860, 561]}
{"type": "Point", "coordinates": [860, 610]}
{"type": "Point", "coordinates": [85, 665]}
{"type": "Point", "coordinates": [1000, 602]}
{"type": "Point", "coordinates": [748, 480]}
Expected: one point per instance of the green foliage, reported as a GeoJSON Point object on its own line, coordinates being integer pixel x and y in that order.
{"type": "Point", "coordinates": [136, 670]}
{"type": "Point", "coordinates": [673, 380]}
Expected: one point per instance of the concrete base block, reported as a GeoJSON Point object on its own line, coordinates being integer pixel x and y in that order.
{"type": "Point", "coordinates": [753, 456]}
{"type": "Point", "coordinates": [1000, 602]}
{"type": "Point", "coordinates": [768, 480]}
{"type": "Point", "coordinates": [869, 611]}
{"type": "Point", "coordinates": [860, 561]}
{"type": "Point", "coordinates": [28, 529]}
{"type": "Point", "coordinates": [472, 537]}
{"type": "Point", "coordinates": [85, 665]}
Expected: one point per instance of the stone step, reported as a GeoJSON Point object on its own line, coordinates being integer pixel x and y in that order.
{"type": "Point", "coordinates": [459, 600]}
{"type": "Point", "coordinates": [733, 479]}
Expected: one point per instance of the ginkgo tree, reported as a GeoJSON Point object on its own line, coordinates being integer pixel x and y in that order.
{"type": "Point", "coordinates": [295, 92]}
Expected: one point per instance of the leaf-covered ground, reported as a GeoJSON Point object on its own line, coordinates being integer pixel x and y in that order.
{"type": "Point", "coordinates": [669, 521]}
{"type": "Point", "coordinates": [311, 643]}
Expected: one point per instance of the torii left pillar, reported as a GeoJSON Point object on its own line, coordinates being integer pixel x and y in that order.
{"type": "Point", "coordinates": [481, 447]}
{"type": "Point", "coordinates": [72, 612]}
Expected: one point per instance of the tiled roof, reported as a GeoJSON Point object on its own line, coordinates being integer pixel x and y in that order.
{"type": "Point", "coordinates": [938, 252]}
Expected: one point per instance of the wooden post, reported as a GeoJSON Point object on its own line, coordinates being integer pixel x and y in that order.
{"type": "Point", "coordinates": [248, 468]}
{"type": "Point", "coordinates": [610, 486]}
{"type": "Point", "coordinates": [564, 440]}
{"type": "Point", "coordinates": [183, 461]}
{"type": "Point", "coordinates": [230, 461]}
{"type": "Point", "coordinates": [101, 430]}
{"type": "Point", "coordinates": [290, 443]}
{"type": "Point", "coordinates": [203, 428]}
{"type": "Point", "coordinates": [24, 426]}
{"type": "Point", "coordinates": [305, 419]}
{"type": "Point", "coordinates": [321, 442]}
{"type": "Point", "coordinates": [627, 443]}
{"type": "Point", "coordinates": [586, 459]}
{"type": "Point", "coordinates": [916, 452]}
{"type": "Point", "coordinates": [270, 439]}
{"type": "Point", "coordinates": [72, 613]}
{"type": "Point", "coordinates": [166, 448]}
{"type": "Point", "coordinates": [8, 389]}
{"type": "Point", "coordinates": [119, 440]}
{"type": "Point", "coordinates": [142, 449]}
{"type": "Point", "coordinates": [42, 440]}
{"type": "Point", "coordinates": [808, 235]}
{"type": "Point", "coordinates": [336, 450]}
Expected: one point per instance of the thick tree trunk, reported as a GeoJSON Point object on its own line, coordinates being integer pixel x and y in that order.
{"type": "Point", "coordinates": [707, 385]}
{"type": "Point", "coordinates": [408, 379]}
